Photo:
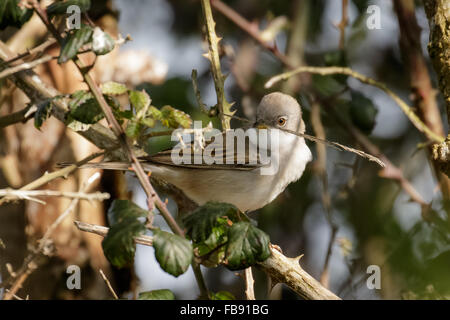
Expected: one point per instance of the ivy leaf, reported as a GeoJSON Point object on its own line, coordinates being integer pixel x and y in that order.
{"type": "Point", "coordinates": [73, 42]}
{"type": "Point", "coordinates": [246, 246]}
{"type": "Point", "coordinates": [118, 245]}
{"type": "Point", "coordinates": [363, 112]}
{"type": "Point", "coordinates": [13, 15]}
{"type": "Point", "coordinates": [85, 108]}
{"type": "Point", "coordinates": [162, 294]}
{"type": "Point", "coordinates": [102, 43]}
{"type": "Point", "coordinates": [114, 88]}
{"type": "Point", "coordinates": [42, 113]}
{"type": "Point", "coordinates": [173, 252]}
{"type": "Point", "coordinates": [60, 7]}
{"type": "Point", "coordinates": [201, 223]}
{"type": "Point", "coordinates": [208, 227]}
{"type": "Point", "coordinates": [222, 295]}
{"type": "Point", "coordinates": [123, 209]}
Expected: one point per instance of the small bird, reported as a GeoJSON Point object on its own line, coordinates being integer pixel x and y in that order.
{"type": "Point", "coordinates": [243, 185]}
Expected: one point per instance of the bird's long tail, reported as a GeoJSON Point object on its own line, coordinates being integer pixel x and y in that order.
{"type": "Point", "coordinates": [106, 165]}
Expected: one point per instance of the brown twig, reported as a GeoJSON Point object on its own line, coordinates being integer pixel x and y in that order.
{"type": "Point", "coordinates": [342, 24]}
{"type": "Point", "coordinates": [407, 110]}
{"type": "Point", "coordinates": [61, 173]}
{"type": "Point", "coordinates": [251, 29]}
{"type": "Point", "coordinates": [44, 244]}
{"type": "Point", "coordinates": [108, 284]}
{"type": "Point", "coordinates": [103, 231]}
{"type": "Point", "coordinates": [390, 171]}
{"type": "Point", "coordinates": [321, 169]}
{"type": "Point", "coordinates": [11, 195]}
{"type": "Point", "coordinates": [26, 66]}
{"type": "Point", "coordinates": [35, 88]}
{"type": "Point", "coordinates": [20, 116]}
{"type": "Point", "coordinates": [213, 55]}
{"type": "Point", "coordinates": [36, 50]}
{"type": "Point", "coordinates": [249, 282]}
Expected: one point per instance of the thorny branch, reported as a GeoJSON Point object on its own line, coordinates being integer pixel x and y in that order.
{"type": "Point", "coordinates": [277, 266]}
{"type": "Point", "coordinates": [153, 198]}
{"type": "Point", "coordinates": [213, 56]}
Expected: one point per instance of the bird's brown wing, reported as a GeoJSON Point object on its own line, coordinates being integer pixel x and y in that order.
{"type": "Point", "coordinates": [246, 159]}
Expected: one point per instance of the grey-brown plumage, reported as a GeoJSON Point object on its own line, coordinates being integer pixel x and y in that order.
{"type": "Point", "coordinates": [243, 185]}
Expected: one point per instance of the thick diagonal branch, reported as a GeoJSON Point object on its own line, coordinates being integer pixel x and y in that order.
{"type": "Point", "coordinates": [277, 266]}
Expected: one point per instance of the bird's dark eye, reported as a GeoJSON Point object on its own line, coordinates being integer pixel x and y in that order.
{"type": "Point", "coordinates": [281, 121]}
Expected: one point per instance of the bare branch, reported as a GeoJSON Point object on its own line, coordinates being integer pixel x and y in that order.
{"type": "Point", "coordinates": [25, 66]}
{"type": "Point", "coordinates": [20, 116]}
{"type": "Point", "coordinates": [44, 245]}
{"type": "Point", "coordinates": [415, 120]}
{"type": "Point", "coordinates": [62, 173]}
{"type": "Point", "coordinates": [342, 24]}
{"type": "Point", "coordinates": [108, 284]}
{"type": "Point", "coordinates": [11, 194]}
{"type": "Point", "coordinates": [103, 231]}
{"type": "Point", "coordinates": [249, 282]}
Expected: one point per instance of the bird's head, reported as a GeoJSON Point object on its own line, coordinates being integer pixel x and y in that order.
{"type": "Point", "coordinates": [280, 111]}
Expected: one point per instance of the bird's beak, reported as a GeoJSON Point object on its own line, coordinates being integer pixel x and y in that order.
{"type": "Point", "coordinates": [261, 126]}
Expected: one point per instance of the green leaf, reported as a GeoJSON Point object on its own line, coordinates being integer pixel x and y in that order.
{"type": "Point", "coordinates": [76, 125]}
{"type": "Point", "coordinates": [162, 294]}
{"type": "Point", "coordinates": [148, 122]}
{"type": "Point", "coordinates": [102, 42]}
{"type": "Point", "coordinates": [60, 7]}
{"type": "Point", "coordinates": [201, 223]}
{"type": "Point", "coordinates": [173, 252]}
{"type": "Point", "coordinates": [133, 129]}
{"type": "Point", "coordinates": [246, 246]}
{"type": "Point", "coordinates": [114, 88]}
{"type": "Point", "coordinates": [363, 112]}
{"type": "Point", "coordinates": [73, 42]}
{"type": "Point", "coordinates": [12, 15]}
{"type": "Point", "coordinates": [174, 118]}
{"type": "Point", "coordinates": [154, 113]}
{"type": "Point", "coordinates": [123, 209]}
{"type": "Point", "coordinates": [42, 113]}
{"type": "Point", "coordinates": [222, 295]}
{"type": "Point", "coordinates": [208, 227]}
{"type": "Point", "coordinates": [140, 100]}
{"type": "Point", "coordinates": [85, 108]}
{"type": "Point", "coordinates": [118, 245]}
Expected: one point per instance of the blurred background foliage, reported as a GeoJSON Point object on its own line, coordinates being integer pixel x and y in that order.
{"type": "Point", "coordinates": [376, 222]}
